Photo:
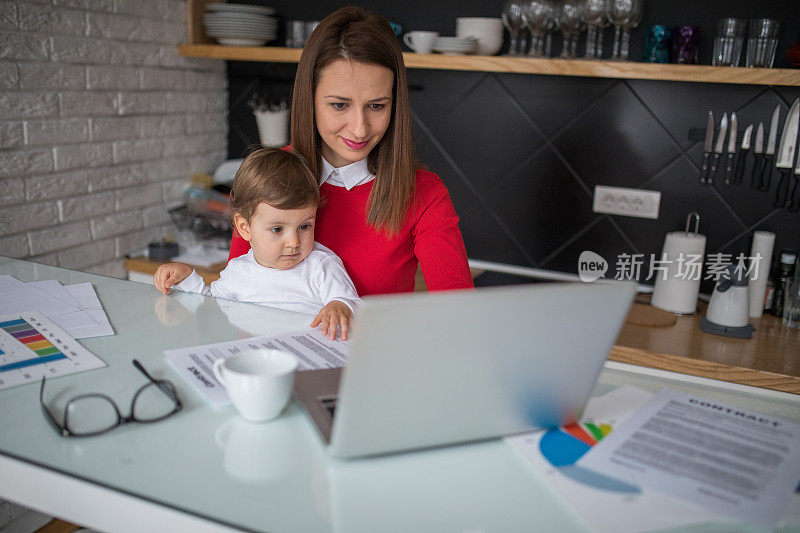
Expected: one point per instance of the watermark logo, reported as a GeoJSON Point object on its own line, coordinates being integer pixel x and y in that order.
{"type": "Point", "coordinates": [591, 266]}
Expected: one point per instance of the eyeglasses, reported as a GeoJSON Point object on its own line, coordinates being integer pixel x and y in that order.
{"type": "Point", "coordinates": [92, 414]}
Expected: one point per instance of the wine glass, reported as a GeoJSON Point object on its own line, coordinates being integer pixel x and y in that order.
{"type": "Point", "coordinates": [569, 20]}
{"type": "Point", "coordinates": [595, 15]}
{"type": "Point", "coordinates": [549, 25]}
{"type": "Point", "coordinates": [512, 20]}
{"type": "Point", "coordinates": [621, 13]}
{"type": "Point", "coordinates": [535, 14]}
{"type": "Point", "coordinates": [633, 21]}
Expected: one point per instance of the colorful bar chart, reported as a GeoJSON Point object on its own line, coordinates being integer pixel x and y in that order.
{"type": "Point", "coordinates": [42, 350]}
{"type": "Point", "coordinates": [32, 346]}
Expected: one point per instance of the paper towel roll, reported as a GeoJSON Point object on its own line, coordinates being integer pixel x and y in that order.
{"type": "Point", "coordinates": [763, 244]}
{"type": "Point", "coordinates": [678, 284]}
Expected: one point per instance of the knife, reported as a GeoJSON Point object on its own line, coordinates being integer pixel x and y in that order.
{"type": "Point", "coordinates": [723, 129]}
{"type": "Point", "coordinates": [709, 143]}
{"type": "Point", "coordinates": [786, 154]}
{"type": "Point", "coordinates": [731, 149]}
{"type": "Point", "coordinates": [758, 155]}
{"type": "Point", "coordinates": [741, 161]}
{"type": "Point", "coordinates": [794, 202]}
{"type": "Point", "coordinates": [769, 156]}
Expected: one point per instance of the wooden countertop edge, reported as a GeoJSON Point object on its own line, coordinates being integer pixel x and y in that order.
{"type": "Point", "coordinates": [705, 369]}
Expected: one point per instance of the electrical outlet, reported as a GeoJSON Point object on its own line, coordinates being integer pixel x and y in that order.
{"type": "Point", "coordinates": [627, 202]}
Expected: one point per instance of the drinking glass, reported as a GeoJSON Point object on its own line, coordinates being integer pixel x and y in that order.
{"type": "Point", "coordinates": [569, 20]}
{"type": "Point", "coordinates": [728, 42]}
{"type": "Point", "coordinates": [633, 21]}
{"type": "Point", "coordinates": [512, 20]}
{"type": "Point", "coordinates": [762, 42]}
{"type": "Point", "coordinates": [549, 25]}
{"type": "Point", "coordinates": [657, 44]}
{"type": "Point", "coordinates": [595, 14]}
{"type": "Point", "coordinates": [624, 15]}
{"type": "Point", "coordinates": [791, 303]}
{"type": "Point", "coordinates": [685, 44]}
{"type": "Point", "coordinates": [535, 14]}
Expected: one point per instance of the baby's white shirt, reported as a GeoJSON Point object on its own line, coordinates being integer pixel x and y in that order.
{"type": "Point", "coordinates": [305, 288]}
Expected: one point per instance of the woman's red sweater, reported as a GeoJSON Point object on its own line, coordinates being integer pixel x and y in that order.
{"type": "Point", "coordinates": [380, 264]}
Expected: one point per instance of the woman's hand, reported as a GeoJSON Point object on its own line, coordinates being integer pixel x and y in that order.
{"type": "Point", "coordinates": [169, 274]}
{"type": "Point", "coordinates": [334, 314]}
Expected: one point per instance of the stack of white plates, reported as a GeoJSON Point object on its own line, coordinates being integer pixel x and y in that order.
{"type": "Point", "coordinates": [240, 24]}
{"type": "Point", "coordinates": [488, 31]}
{"type": "Point", "coordinates": [455, 45]}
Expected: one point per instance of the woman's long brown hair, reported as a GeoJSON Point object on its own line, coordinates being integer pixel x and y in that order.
{"type": "Point", "coordinates": [352, 34]}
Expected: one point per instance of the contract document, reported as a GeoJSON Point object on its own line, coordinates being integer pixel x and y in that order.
{"type": "Point", "coordinates": [312, 349]}
{"type": "Point", "coordinates": [731, 461]}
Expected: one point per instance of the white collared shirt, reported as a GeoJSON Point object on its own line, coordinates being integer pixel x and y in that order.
{"type": "Point", "coordinates": [305, 288]}
{"type": "Point", "coordinates": [347, 176]}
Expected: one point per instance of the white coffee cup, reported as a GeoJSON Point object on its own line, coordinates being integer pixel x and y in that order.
{"type": "Point", "coordinates": [258, 382]}
{"type": "Point", "coordinates": [420, 41]}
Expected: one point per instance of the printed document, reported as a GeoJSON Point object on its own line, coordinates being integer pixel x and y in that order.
{"type": "Point", "coordinates": [312, 349]}
{"type": "Point", "coordinates": [732, 461]}
{"type": "Point", "coordinates": [604, 504]}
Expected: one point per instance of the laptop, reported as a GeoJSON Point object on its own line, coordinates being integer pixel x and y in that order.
{"type": "Point", "coordinates": [432, 369]}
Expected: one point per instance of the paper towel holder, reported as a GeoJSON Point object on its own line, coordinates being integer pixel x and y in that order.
{"type": "Point", "coordinates": [696, 216]}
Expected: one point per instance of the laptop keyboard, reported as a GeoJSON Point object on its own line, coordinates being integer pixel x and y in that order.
{"type": "Point", "coordinates": [329, 404]}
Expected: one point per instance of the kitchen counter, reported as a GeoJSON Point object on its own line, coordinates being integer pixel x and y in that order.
{"type": "Point", "coordinates": [769, 359]}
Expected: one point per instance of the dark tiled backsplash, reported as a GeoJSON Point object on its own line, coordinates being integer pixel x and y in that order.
{"type": "Point", "coordinates": [521, 155]}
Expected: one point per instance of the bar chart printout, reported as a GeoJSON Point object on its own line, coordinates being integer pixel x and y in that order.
{"type": "Point", "coordinates": [32, 346]}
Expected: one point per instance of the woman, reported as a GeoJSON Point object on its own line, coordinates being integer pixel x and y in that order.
{"type": "Point", "coordinates": [351, 120]}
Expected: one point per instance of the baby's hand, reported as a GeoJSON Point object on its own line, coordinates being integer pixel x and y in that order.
{"type": "Point", "coordinates": [169, 274]}
{"type": "Point", "coordinates": [334, 314]}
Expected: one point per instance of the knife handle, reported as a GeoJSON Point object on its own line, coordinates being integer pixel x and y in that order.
{"type": "Point", "coordinates": [765, 180]}
{"type": "Point", "coordinates": [781, 191]}
{"type": "Point", "coordinates": [728, 169]}
{"type": "Point", "coordinates": [794, 200]}
{"type": "Point", "coordinates": [704, 169]}
{"type": "Point", "coordinates": [738, 174]}
{"type": "Point", "coordinates": [756, 171]}
{"type": "Point", "coordinates": [713, 168]}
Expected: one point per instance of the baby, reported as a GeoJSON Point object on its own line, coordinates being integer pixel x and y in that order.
{"type": "Point", "coordinates": [274, 202]}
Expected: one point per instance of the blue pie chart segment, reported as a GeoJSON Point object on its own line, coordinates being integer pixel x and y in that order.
{"type": "Point", "coordinates": [563, 450]}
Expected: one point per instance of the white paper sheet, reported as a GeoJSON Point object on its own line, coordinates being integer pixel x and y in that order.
{"type": "Point", "coordinates": [17, 296]}
{"type": "Point", "coordinates": [69, 321]}
{"type": "Point", "coordinates": [312, 348]}
{"type": "Point", "coordinates": [598, 500]}
{"type": "Point", "coordinates": [31, 346]}
{"type": "Point", "coordinates": [87, 298]}
{"type": "Point", "coordinates": [741, 464]}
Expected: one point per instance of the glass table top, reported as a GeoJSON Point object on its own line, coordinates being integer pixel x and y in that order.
{"type": "Point", "coordinates": [277, 476]}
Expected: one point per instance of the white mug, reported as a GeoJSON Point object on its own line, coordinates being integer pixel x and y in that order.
{"type": "Point", "coordinates": [421, 41]}
{"type": "Point", "coordinates": [258, 382]}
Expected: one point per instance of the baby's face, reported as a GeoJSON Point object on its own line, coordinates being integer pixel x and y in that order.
{"type": "Point", "coordinates": [280, 238]}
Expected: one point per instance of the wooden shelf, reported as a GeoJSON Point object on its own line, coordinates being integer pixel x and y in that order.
{"type": "Point", "coordinates": [522, 65]}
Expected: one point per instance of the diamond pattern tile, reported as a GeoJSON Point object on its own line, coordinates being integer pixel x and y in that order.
{"type": "Point", "coordinates": [551, 101]}
{"type": "Point", "coordinates": [434, 160]}
{"type": "Point", "coordinates": [543, 204]}
{"type": "Point", "coordinates": [616, 142]}
{"type": "Point", "coordinates": [486, 239]}
{"type": "Point", "coordinates": [486, 134]}
{"type": "Point", "coordinates": [435, 96]}
{"type": "Point", "coordinates": [602, 238]}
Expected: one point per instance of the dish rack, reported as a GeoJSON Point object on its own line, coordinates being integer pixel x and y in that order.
{"type": "Point", "coordinates": [206, 225]}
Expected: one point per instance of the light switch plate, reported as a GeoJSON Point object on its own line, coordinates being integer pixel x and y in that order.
{"type": "Point", "coordinates": [626, 202]}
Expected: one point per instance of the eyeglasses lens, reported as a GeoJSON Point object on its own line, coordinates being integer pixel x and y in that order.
{"type": "Point", "coordinates": [91, 414]}
{"type": "Point", "coordinates": [154, 401]}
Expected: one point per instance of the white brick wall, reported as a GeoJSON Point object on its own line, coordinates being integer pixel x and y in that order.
{"type": "Point", "coordinates": [102, 124]}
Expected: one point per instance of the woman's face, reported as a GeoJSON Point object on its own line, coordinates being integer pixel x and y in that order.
{"type": "Point", "coordinates": [352, 107]}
